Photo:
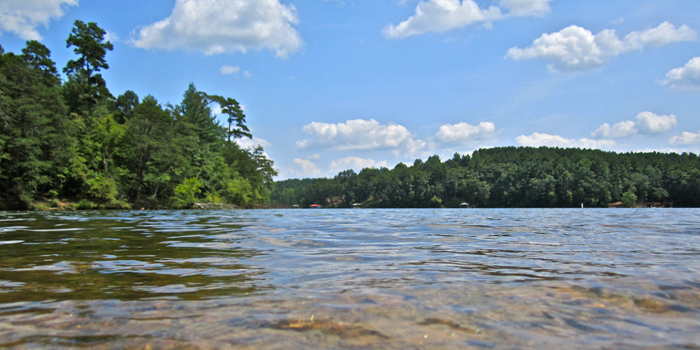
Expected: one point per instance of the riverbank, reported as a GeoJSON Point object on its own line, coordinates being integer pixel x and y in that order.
{"type": "Point", "coordinates": [67, 205]}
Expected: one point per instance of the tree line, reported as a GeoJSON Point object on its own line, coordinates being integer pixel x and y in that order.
{"type": "Point", "coordinates": [509, 177]}
{"type": "Point", "coordinates": [73, 140]}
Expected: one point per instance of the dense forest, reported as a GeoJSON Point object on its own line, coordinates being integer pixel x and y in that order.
{"type": "Point", "coordinates": [509, 177]}
{"type": "Point", "coordinates": [70, 140]}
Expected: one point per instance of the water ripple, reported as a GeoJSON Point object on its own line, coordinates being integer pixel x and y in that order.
{"type": "Point", "coordinates": [544, 278]}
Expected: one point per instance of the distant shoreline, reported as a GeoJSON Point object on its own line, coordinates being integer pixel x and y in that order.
{"type": "Point", "coordinates": [73, 206]}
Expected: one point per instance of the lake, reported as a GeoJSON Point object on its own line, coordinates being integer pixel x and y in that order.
{"type": "Point", "coordinates": [351, 279]}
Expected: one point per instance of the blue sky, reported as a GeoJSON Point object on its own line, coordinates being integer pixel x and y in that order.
{"type": "Point", "coordinates": [331, 85]}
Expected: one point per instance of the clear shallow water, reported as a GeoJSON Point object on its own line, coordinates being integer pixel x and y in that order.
{"type": "Point", "coordinates": [358, 279]}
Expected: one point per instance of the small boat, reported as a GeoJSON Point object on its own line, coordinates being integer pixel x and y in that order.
{"type": "Point", "coordinates": [315, 206]}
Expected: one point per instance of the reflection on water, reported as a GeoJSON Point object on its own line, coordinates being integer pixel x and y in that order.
{"type": "Point", "coordinates": [403, 279]}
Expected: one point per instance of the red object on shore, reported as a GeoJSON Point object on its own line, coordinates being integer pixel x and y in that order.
{"type": "Point", "coordinates": [314, 206]}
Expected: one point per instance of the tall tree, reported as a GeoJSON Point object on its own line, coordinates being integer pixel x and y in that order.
{"type": "Point", "coordinates": [233, 110]}
{"type": "Point", "coordinates": [86, 87]}
{"type": "Point", "coordinates": [38, 57]}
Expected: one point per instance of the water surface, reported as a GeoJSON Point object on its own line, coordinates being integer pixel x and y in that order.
{"type": "Point", "coordinates": [357, 279]}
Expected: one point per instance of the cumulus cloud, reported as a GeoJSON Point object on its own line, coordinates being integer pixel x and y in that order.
{"type": "Point", "coordinates": [685, 138]}
{"type": "Point", "coordinates": [537, 139]}
{"type": "Point", "coordinates": [304, 167]}
{"type": "Point", "coordinates": [575, 48]}
{"type": "Point", "coordinates": [245, 142]}
{"type": "Point", "coordinates": [412, 147]}
{"type": "Point", "coordinates": [443, 15]}
{"type": "Point", "coordinates": [356, 163]}
{"type": "Point", "coordinates": [465, 133]}
{"type": "Point", "coordinates": [226, 70]}
{"type": "Point", "coordinates": [22, 17]}
{"type": "Point", "coordinates": [647, 123]}
{"type": "Point", "coordinates": [360, 135]}
{"type": "Point", "coordinates": [686, 77]}
{"type": "Point", "coordinates": [220, 26]}
{"type": "Point", "coordinates": [619, 130]}
{"type": "Point", "coordinates": [651, 123]}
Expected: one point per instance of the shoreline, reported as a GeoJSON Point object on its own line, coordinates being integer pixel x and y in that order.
{"type": "Point", "coordinates": [72, 206]}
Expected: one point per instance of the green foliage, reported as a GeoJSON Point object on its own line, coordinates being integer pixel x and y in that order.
{"type": "Point", "coordinates": [232, 109]}
{"type": "Point", "coordinates": [87, 89]}
{"type": "Point", "coordinates": [35, 131]}
{"type": "Point", "coordinates": [38, 58]}
{"type": "Point", "coordinates": [85, 204]}
{"type": "Point", "coordinates": [101, 189]}
{"type": "Point", "coordinates": [629, 199]}
{"type": "Point", "coordinates": [213, 198]}
{"type": "Point", "coordinates": [239, 191]}
{"type": "Point", "coordinates": [521, 177]}
{"type": "Point", "coordinates": [75, 141]}
{"type": "Point", "coordinates": [187, 193]}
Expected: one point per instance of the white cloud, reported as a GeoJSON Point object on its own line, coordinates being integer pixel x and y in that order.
{"type": "Point", "coordinates": [651, 123]}
{"type": "Point", "coordinates": [647, 123]}
{"type": "Point", "coordinates": [304, 167]}
{"type": "Point", "coordinates": [665, 33]}
{"type": "Point", "coordinates": [686, 77]}
{"type": "Point", "coordinates": [622, 129]}
{"type": "Point", "coordinates": [247, 74]}
{"type": "Point", "coordinates": [537, 139]}
{"type": "Point", "coordinates": [575, 48]}
{"type": "Point", "coordinates": [219, 26]}
{"type": "Point", "coordinates": [245, 142]}
{"type": "Point", "coordinates": [443, 15]}
{"type": "Point", "coordinates": [412, 147]}
{"type": "Point", "coordinates": [225, 70]}
{"type": "Point", "coordinates": [23, 16]}
{"type": "Point", "coordinates": [360, 135]}
{"type": "Point", "coordinates": [465, 133]}
{"type": "Point", "coordinates": [685, 138]}
{"type": "Point", "coordinates": [356, 163]}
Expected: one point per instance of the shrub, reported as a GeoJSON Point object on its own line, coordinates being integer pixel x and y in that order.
{"type": "Point", "coordinates": [240, 192]}
{"type": "Point", "coordinates": [102, 189]}
{"type": "Point", "coordinates": [85, 204]}
{"type": "Point", "coordinates": [186, 192]}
